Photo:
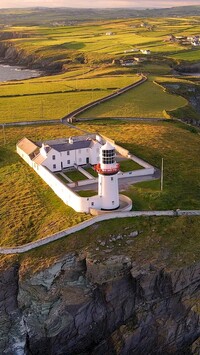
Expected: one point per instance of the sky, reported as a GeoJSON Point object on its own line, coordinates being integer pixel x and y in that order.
{"type": "Point", "coordinates": [97, 3]}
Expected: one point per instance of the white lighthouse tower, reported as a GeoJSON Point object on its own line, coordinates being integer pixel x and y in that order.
{"type": "Point", "coordinates": [107, 169]}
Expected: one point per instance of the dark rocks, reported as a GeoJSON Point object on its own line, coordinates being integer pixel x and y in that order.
{"type": "Point", "coordinates": [114, 306]}
{"type": "Point", "coordinates": [13, 56]}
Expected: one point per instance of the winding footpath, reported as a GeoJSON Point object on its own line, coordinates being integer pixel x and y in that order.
{"type": "Point", "coordinates": [111, 215]}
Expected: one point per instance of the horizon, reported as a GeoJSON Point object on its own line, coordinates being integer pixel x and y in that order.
{"type": "Point", "coordinates": [100, 4]}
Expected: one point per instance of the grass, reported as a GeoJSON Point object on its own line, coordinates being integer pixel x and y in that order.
{"type": "Point", "coordinates": [43, 107]}
{"type": "Point", "coordinates": [163, 242]}
{"type": "Point", "coordinates": [75, 175]}
{"type": "Point", "coordinates": [86, 193]}
{"type": "Point", "coordinates": [129, 165]}
{"type": "Point", "coordinates": [29, 208]}
{"type": "Point", "coordinates": [56, 96]}
{"type": "Point", "coordinates": [179, 148]}
{"type": "Point", "coordinates": [152, 185]}
{"type": "Point", "coordinates": [62, 178]}
{"type": "Point", "coordinates": [146, 101]}
{"type": "Point", "coordinates": [91, 171]}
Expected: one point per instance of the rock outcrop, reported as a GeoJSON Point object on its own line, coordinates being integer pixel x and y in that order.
{"type": "Point", "coordinates": [85, 306]}
{"type": "Point", "coordinates": [12, 55]}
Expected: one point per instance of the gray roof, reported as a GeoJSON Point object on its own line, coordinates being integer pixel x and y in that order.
{"type": "Point", "coordinates": [62, 147]}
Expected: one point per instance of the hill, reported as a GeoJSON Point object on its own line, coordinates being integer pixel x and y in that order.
{"type": "Point", "coordinates": [47, 16]}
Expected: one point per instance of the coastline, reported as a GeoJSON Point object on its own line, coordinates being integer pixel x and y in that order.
{"type": "Point", "coordinates": [10, 56]}
{"type": "Point", "coordinates": [13, 72]}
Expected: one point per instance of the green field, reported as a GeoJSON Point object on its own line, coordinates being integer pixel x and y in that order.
{"type": "Point", "coordinates": [53, 105]}
{"type": "Point", "coordinates": [54, 97]}
{"type": "Point", "coordinates": [89, 40]}
{"type": "Point", "coordinates": [89, 60]}
{"type": "Point", "coordinates": [146, 101]}
{"type": "Point", "coordinates": [29, 208]}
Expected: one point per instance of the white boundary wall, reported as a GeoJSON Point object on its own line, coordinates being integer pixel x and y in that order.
{"type": "Point", "coordinates": [69, 197]}
{"type": "Point", "coordinates": [140, 172]}
{"type": "Point", "coordinates": [88, 223]}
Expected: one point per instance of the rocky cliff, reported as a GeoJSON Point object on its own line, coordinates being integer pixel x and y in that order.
{"type": "Point", "coordinates": [85, 306]}
{"type": "Point", "coordinates": [12, 55]}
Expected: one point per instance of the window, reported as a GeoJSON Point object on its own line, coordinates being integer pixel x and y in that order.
{"type": "Point", "coordinates": [108, 156]}
{"type": "Point", "coordinates": [68, 152]}
{"type": "Point", "coordinates": [113, 202]}
{"type": "Point", "coordinates": [108, 160]}
{"type": "Point", "coordinates": [53, 157]}
{"type": "Point", "coordinates": [68, 162]}
{"type": "Point", "coordinates": [87, 150]}
{"type": "Point", "coordinates": [79, 151]}
{"type": "Point", "coordinates": [111, 178]}
{"type": "Point", "coordinates": [54, 166]}
{"type": "Point", "coordinates": [92, 204]}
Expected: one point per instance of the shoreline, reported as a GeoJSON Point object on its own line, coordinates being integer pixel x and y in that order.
{"type": "Point", "coordinates": [21, 68]}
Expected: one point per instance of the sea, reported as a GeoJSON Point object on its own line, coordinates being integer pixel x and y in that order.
{"type": "Point", "coordinates": [8, 72]}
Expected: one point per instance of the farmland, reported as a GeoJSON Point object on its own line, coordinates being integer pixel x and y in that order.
{"type": "Point", "coordinates": [88, 61]}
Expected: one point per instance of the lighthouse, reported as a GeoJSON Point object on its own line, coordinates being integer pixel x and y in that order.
{"type": "Point", "coordinates": [107, 169]}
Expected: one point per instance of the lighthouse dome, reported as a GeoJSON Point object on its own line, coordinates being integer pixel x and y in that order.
{"type": "Point", "coordinates": [107, 146]}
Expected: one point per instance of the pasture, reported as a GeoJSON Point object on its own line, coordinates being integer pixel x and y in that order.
{"type": "Point", "coordinates": [86, 53]}
{"type": "Point", "coordinates": [145, 101]}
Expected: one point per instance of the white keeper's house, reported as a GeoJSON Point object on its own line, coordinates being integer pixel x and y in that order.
{"type": "Point", "coordinates": [57, 156]}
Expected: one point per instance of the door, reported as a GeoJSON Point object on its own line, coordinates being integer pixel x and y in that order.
{"type": "Point", "coordinates": [87, 160]}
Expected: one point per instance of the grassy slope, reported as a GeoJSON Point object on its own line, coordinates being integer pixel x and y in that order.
{"type": "Point", "coordinates": [30, 209]}
{"type": "Point", "coordinates": [179, 148]}
{"type": "Point", "coordinates": [147, 100]}
{"type": "Point", "coordinates": [162, 242]}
